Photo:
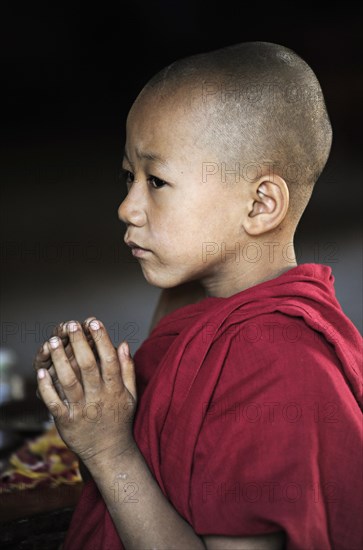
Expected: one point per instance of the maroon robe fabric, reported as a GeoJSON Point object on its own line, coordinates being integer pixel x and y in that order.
{"type": "Point", "coordinates": [250, 417]}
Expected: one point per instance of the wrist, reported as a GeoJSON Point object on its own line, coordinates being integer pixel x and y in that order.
{"type": "Point", "coordinates": [112, 456]}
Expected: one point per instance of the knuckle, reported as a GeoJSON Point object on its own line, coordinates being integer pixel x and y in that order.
{"type": "Point", "coordinates": [89, 368]}
{"type": "Point", "coordinates": [109, 359]}
{"type": "Point", "coordinates": [72, 384]}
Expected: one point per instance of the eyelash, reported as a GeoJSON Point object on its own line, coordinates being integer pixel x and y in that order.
{"type": "Point", "coordinates": [128, 177]}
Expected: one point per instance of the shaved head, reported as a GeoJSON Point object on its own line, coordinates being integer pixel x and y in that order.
{"type": "Point", "coordinates": [257, 105]}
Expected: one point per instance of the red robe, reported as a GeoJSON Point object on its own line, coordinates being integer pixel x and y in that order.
{"type": "Point", "coordinates": [250, 417]}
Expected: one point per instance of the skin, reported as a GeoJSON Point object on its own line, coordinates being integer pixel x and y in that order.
{"type": "Point", "coordinates": [180, 219]}
{"type": "Point", "coordinates": [173, 219]}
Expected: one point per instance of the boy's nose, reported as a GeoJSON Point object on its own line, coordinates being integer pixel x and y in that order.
{"type": "Point", "coordinates": [131, 212]}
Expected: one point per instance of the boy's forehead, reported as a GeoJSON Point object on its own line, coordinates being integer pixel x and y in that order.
{"type": "Point", "coordinates": [155, 118]}
{"type": "Point", "coordinates": [154, 103]}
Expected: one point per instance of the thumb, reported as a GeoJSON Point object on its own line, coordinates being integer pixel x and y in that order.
{"type": "Point", "coordinates": [127, 368]}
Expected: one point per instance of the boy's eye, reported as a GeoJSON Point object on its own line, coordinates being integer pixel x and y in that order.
{"type": "Point", "coordinates": [127, 177]}
{"type": "Point", "coordinates": [156, 182]}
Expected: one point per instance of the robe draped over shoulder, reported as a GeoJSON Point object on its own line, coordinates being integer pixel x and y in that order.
{"type": "Point", "coordinates": [250, 417]}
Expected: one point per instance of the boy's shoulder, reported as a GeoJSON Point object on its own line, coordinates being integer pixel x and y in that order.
{"type": "Point", "coordinates": [273, 328]}
{"type": "Point", "coordinates": [278, 354]}
{"type": "Point", "coordinates": [275, 335]}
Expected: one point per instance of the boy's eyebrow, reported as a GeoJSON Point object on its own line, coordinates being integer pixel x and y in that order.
{"type": "Point", "coordinates": [147, 155]}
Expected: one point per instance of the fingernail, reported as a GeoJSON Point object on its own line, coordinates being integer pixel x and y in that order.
{"type": "Point", "coordinates": [54, 342]}
{"type": "Point", "coordinates": [95, 325]}
{"type": "Point", "coordinates": [41, 373]}
{"type": "Point", "coordinates": [88, 320]}
{"type": "Point", "coordinates": [72, 326]}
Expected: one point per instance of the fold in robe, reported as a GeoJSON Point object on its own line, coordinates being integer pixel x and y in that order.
{"type": "Point", "coordinates": [250, 417]}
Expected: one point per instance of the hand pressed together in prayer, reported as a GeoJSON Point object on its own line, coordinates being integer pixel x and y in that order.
{"type": "Point", "coordinates": [89, 389]}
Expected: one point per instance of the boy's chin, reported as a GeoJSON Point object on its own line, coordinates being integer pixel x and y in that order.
{"type": "Point", "coordinates": [163, 282]}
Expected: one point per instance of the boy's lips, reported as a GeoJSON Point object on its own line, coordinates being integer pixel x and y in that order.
{"type": "Point", "coordinates": [136, 249]}
{"type": "Point", "coordinates": [132, 244]}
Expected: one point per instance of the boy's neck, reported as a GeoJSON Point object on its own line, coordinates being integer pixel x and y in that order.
{"type": "Point", "coordinates": [251, 275]}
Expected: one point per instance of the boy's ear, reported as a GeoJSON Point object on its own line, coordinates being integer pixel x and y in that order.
{"type": "Point", "coordinates": [268, 203]}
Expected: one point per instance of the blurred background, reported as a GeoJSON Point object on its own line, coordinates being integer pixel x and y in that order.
{"type": "Point", "coordinates": [70, 73]}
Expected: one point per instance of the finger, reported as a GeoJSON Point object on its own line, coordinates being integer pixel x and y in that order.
{"type": "Point", "coordinates": [40, 362]}
{"type": "Point", "coordinates": [64, 335]}
{"type": "Point", "coordinates": [85, 358]}
{"type": "Point", "coordinates": [66, 376]}
{"type": "Point", "coordinates": [85, 326]}
{"type": "Point", "coordinates": [109, 362]}
{"type": "Point", "coordinates": [42, 359]}
{"type": "Point", "coordinates": [58, 388]}
{"type": "Point", "coordinates": [72, 359]}
{"type": "Point", "coordinates": [65, 332]}
{"type": "Point", "coordinates": [127, 368]}
{"type": "Point", "coordinates": [58, 331]}
{"type": "Point", "coordinates": [49, 395]}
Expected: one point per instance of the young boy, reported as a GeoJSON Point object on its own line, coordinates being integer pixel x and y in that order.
{"type": "Point", "coordinates": [247, 432]}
